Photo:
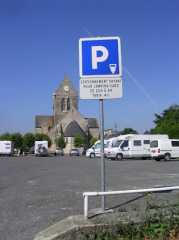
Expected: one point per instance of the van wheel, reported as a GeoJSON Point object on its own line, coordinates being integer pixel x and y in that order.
{"type": "Point", "coordinates": [119, 157]}
{"type": "Point", "coordinates": [167, 157]}
{"type": "Point", "coordinates": [92, 155]}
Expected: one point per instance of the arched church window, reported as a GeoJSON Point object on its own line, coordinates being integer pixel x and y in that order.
{"type": "Point", "coordinates": [63, 105]}
{"type": "Point", "coordinates": [68, 104]}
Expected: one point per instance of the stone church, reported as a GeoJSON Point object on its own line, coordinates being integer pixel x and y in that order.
{"type": "Point", "coordinates": [66, 118]}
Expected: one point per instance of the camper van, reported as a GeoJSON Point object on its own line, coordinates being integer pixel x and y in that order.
{"type": "Point", "coordinates": [110, 142]}
{"type": "Point", "coordinates": [164, 149]}
{"type": "Point", "coordinates": [132, 146]}
{"type": "Point", "coordinates": [6, 148]}
{"type": "Point", "coordinates": [95, 150]}
{"type": "Point", "coordinates": [41, 148]}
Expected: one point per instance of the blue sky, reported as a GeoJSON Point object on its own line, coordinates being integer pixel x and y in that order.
{"type": "Point", "coordinates": [39, 45]}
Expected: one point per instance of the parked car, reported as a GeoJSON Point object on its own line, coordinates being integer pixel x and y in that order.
{"type": "Point", "coordinates": [74, 152]}
{"type": "Point", "coordinates": [32, 150]}
{"type": "Point", "coordinates": [59, 152]}
{"type": "Point", "coordinates": [164, 149]}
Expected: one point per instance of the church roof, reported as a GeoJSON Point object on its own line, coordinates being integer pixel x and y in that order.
{"type": "Point", "coordinates": [92, 123]}
{"type": "Point", "coordinates": [41, 120]}
{"type": "Point", "coordinates": [74, 129]}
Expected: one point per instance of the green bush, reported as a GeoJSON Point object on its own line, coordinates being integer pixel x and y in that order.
{"type": "Point", "coordinates": [60, 142]}
{"type": "Point", "coordinates": [79, 141]}
{"type": "Point", "coordinates": [28, 141]}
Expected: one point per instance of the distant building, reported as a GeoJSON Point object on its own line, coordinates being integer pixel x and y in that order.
{"type": "Point", "coordinates": [66, 118]}
{"type": "Point", "coordinates": [109, 133]}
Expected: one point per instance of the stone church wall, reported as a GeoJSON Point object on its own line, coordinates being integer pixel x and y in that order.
{"type": "Point", "coordinates": [65, 110]}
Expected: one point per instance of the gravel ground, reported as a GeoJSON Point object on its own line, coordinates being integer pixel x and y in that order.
{"type": "Point", "coordinates": [36, 192]}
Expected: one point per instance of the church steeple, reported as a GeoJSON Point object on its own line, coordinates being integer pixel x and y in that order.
{"type": "Point", "coordinates": [66, 80]}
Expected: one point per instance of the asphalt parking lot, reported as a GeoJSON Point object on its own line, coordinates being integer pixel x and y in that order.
{"type": "Point", "coordinates": [36, 192]}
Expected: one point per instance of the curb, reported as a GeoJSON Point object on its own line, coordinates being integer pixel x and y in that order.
{"type": "Point", "coordinates": [73, 228]}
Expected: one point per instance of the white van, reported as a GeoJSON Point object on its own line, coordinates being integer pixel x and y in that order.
{"type": "Point", "coordinates": [41, 148]}
{"type": "Point", "coordinates": [95, 150]}
{"type": "Point", "coordinates": [6, 148]}
{"type": "Point", "coordinates": [132, 146]}
{"type": "Point", "coordinates": [164, 149]}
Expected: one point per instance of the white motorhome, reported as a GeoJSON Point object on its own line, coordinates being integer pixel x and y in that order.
{"type": "Point", "coordinates": [41, 148]}
{"type": "Point", "coordinates": [132, 146]}
{"type": "Point", "coordinates": [95, 150]}
{"type": "Point", "coordinates": [109, 143]}
{"type": "Point", "coordinates": [6, 148]}
{"type": "Point", "coordinates": [164, 149]}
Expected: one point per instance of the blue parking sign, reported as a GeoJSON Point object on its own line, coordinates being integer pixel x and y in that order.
{"type": "Point", "coordinates": [100, 57]}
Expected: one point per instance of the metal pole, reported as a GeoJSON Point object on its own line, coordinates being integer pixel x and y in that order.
{"type": "Point", "coordinates": [103, 183]}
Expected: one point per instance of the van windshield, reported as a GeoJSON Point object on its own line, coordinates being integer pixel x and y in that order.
{"type": "Point", "coordinates": [107, 144]}
{"type": "Point", "coordinates": [117, 143]}
{"type": "Point", "coordinates": [98, 145]}
{"type": "Point", "coordinates": [124, 144]}
{"type": "Point", "coordinates": [154, 144]}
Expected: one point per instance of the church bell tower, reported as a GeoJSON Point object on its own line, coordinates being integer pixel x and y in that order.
{"type": "Point", "coordinates": [65, 99]}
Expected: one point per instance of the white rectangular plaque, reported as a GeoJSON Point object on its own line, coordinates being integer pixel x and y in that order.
{"type": "Point", "coordinates": [105, 88]}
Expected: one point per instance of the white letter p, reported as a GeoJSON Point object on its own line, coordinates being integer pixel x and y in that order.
{"type": "Point", "coordinates": [95, 58]}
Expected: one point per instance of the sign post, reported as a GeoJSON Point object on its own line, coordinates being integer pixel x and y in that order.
{"type": "Point", "coordinates": [103, 169]}
{"type": "Point", "coordinates": [100, 70]}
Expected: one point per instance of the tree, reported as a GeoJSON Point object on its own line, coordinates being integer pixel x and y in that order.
{"type": "Point", "coordinates": [17, 139]}
{"type": "Point", "coordinates": [79, 141]}
{"type": "Point", "coordinates": [128, 131]}
{"type": "Point", "coordinates": [43, 137]}
{"type": "Point", "coordinates": [88, 139]}
{"type": "Point", "coordinates": [60, 141]}
{"type": "Point", "coordinates": [61, 130]}
{"type": "Point", "coordinates": [167, 122]}
{"type": "Point", "coordinates": [28, 141]}
{"type": "Point", "coordinates": [5, 137]}
{"type": "Point", "coordinates": [92, 141]}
